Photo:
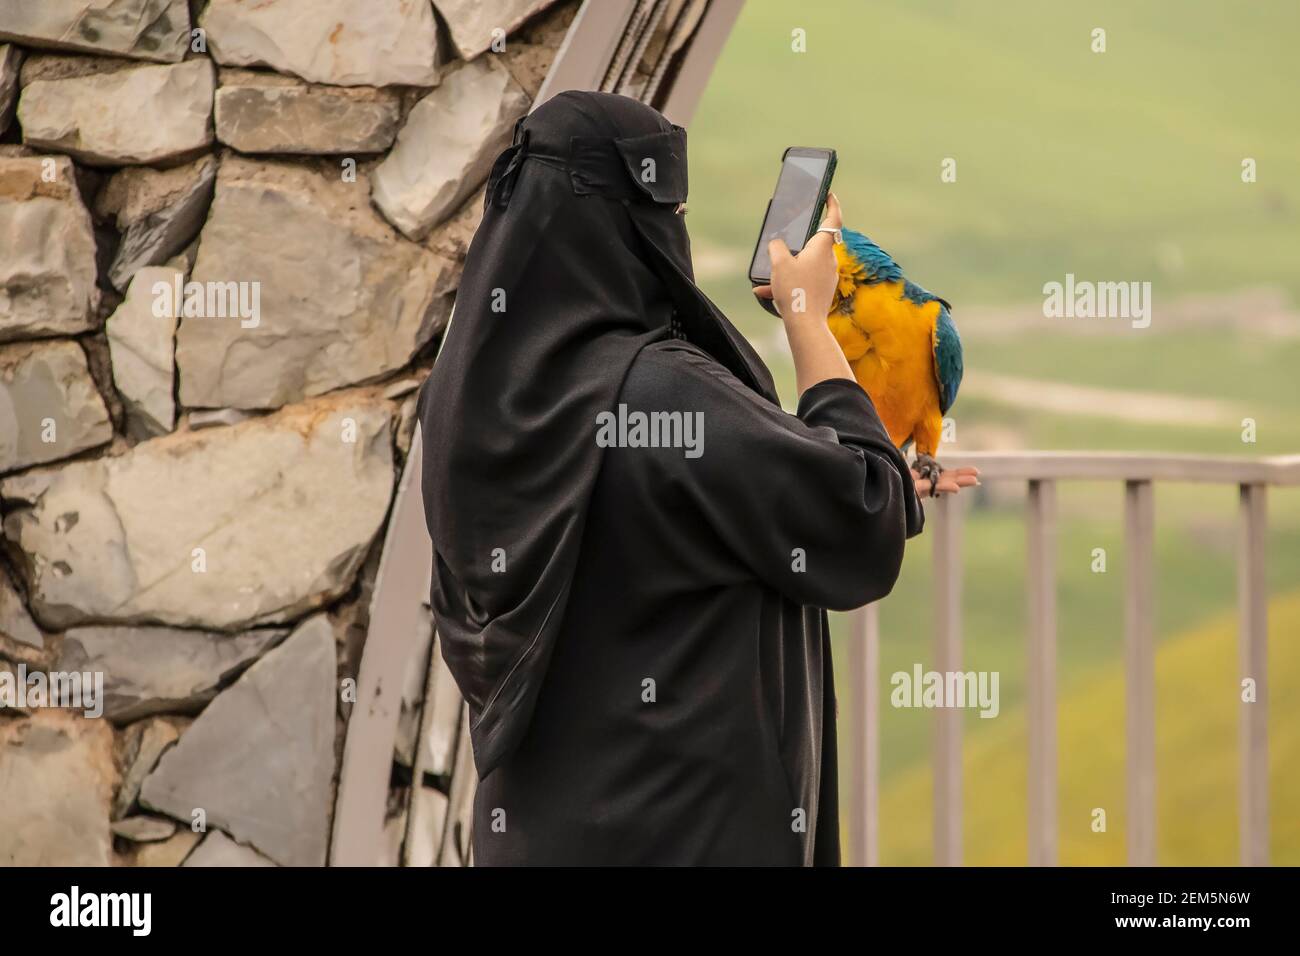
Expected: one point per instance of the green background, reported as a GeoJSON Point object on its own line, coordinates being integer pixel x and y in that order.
{"type": "Point", "coordinates": [1124, 165]}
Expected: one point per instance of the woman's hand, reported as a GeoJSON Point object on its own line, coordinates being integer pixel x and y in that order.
{"type": "Point", "coordinates": [803, 288]}
{"type": "Point", "coordinates": [951, 481]}
{"type": "Point", "coordinates": [803, 285]}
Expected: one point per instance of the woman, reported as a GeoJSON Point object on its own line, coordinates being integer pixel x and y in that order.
{"type": "Point", "coordinates": [640, 631]}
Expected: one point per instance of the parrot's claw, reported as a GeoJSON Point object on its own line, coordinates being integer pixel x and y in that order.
{"type": "Point", "coordinates": [929, 470]}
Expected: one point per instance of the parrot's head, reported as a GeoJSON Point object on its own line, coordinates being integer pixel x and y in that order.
{"type": "Point", "coordinates": [860, 262]}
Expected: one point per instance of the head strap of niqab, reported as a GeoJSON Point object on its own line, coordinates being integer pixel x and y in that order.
{"type": "Point", "coordinates": [580, 262]}
{"type": "Point", "coordinates": [632, 167]}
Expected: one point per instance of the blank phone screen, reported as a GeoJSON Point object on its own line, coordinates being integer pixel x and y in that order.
{"type": "Point", "coordinates": [793, 207]}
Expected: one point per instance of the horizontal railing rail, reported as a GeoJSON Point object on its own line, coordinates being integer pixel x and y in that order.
{"type": "Point", "coordinates": [1041, 471]}
{"type": "Point", "coordinates": [1126, 466]}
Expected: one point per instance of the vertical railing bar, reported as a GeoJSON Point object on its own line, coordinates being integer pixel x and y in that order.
{"type": "Point", "coordinates": [1252, 607]}
{"type": "Point", "coordinates": [872, 736]}
{"type": "Point", "coordinates": [1041, 672]}
{"type": "Point", "coordinates": [945, 513]}
{"type": "Point", "coordinates": [1139, 669]}
{"type": "Point", "coordinates": [857, 756]}
{"type": "Point", "coordinates": [864, 800]}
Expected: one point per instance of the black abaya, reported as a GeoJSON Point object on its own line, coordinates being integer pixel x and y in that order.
{"type": "Point", "coordinates": [688, 716]}
{"type": "Point", "coordinates": [639, 631]}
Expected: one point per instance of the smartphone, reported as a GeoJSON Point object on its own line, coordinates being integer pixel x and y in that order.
{"type": "Point", "coordinates": [796, 206]}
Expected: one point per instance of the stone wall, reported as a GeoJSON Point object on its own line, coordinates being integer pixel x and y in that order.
{"type": "Point", "coordinates": [230, 235]}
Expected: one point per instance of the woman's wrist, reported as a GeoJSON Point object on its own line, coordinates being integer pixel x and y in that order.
{"type": "Point", "coordinates": [817, 356]}
{"type": "Point", "coordinates": [805, 310]}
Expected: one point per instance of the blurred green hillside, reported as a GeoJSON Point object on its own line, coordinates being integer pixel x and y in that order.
{"type": "Point", "coordinates": [1196, 765]}
{"type": "Point", "coordinates": [1123, 165]}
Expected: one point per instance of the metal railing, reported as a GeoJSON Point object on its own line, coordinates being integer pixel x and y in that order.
{"type": "Point", "coordinates": [1042, 471]}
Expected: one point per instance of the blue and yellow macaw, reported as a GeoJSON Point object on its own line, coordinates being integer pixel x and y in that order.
{"type": "Point", "coordinates": [901, 344]}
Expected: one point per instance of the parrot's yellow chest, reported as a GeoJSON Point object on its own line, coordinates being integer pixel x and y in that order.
{"type": "Point", "coordinates": [889, 342]}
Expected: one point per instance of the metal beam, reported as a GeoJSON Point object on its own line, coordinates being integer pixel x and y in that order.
{"type": "Point", "coordinates": [585, 54]}
{"type": "Point", "coordinates": [401, 586]}
{"type": "Point", "coordinates": [701, 56]}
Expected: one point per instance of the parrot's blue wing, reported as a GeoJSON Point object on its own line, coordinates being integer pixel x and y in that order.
{"type": "Point", "coordinates": [947, 358]}
{"type": "Point", "coordinates": [877, 265]}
